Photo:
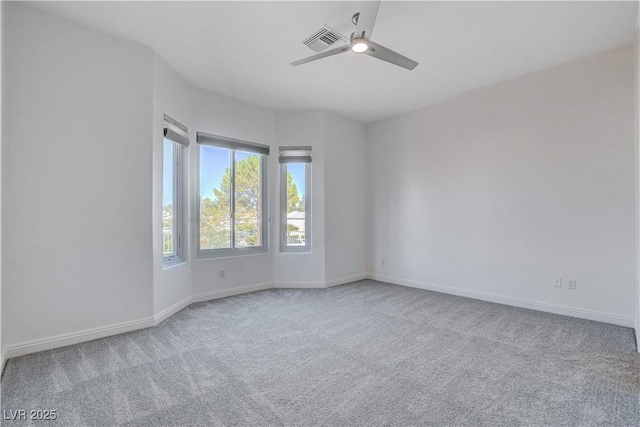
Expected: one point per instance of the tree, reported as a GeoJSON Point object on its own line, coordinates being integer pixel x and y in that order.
{"type": "Point", "coordinates": [167, 217]}
{"type": "Point", "coordinates": [293, 198]}
{"type": "Point", "coordinates": [247, 187]}
{"type": "Point", "coordinates": [215, 212]}
{"type": "Point", "coordinates": [215, 231]}
{"type": "Point", "coordinates": [167, 225]}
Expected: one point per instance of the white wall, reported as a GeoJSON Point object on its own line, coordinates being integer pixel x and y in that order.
{"type": "Point", "coordinates": [76, 177]}
{"type": "Point", "coordinates": [1, 98]}
{"type": "Point", "coordinates": [170, 96]}
{"type": "Point", "coordinates": [83, 187]}
{"type": "Point", "coordinates": [212, 113]}
{"type": "Point", "coordinates": [220, 115]}
{"type": "Point", "coordinates": [546, 159]}
{"type": "Point", "coordinates": [637, 181]}
{"type": "Point", "coordinates": [499, 190]}
{"type": "Point", "coordinates": [345, 198]}
{"type": "Point", "coordinates": [302, 269]}
{"type": "Point", "coordinates": [338, 200]}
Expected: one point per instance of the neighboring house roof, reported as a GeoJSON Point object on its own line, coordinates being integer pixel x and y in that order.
{"type": "Point", "coordinates": [296, 218]}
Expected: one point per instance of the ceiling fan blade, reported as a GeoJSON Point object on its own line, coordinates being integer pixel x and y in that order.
{"type": "Point", "coordinates": [367, 19]}
{"type": "Point", "coordinates": [388, 55]}
{"type": "Point", "coordinates": [321, 55]}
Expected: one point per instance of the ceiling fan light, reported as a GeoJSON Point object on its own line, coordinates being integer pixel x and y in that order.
{"type": "Point", "coordinates": [359, 46]}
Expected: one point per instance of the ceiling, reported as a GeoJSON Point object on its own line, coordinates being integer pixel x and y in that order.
{"type": "Point", "coordinates": [243, 49]}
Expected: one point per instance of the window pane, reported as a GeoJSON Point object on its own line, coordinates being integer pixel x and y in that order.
{"type": "Point", "coordinates": [215, 198]}
{"type": "Point", "coordinates": [296, 204]}
{"type": "Point", "coordinates": [248, 207]}
{"type": "Point", "coordinates": [168, 199]}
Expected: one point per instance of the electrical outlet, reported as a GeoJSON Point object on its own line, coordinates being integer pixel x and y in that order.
{"type": "Point", "coordinates": [222, 275]}
{"type": "Point", "coordinates": [572, 284]}
{"type": "Point", "coordinates": [557, 282]}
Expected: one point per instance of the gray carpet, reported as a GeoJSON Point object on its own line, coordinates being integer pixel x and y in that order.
{"type": "Point", "coordinates": [366, 353]}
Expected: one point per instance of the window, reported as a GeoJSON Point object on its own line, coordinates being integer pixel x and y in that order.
{"type": "Point", "coordinates": [295, 198]}
{"type": "Point", "coordinates": [176, 139]}
{"type": "Point", "coordinates": [232, 208]}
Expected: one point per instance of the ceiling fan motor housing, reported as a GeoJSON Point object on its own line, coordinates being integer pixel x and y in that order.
{"type": "Point", "coordinates": [360, 41]}
{"type": "Point", "coordinates": [355, 17]}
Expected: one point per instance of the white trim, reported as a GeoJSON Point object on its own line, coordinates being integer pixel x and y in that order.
{"type": "Point", "coordinates": [346, 279]}
{"type": "Point", "coordinates": [170, 311]}
{"type": "Point", "coordinates": [223, 293]}
{"type": "Point", "coordinates": [33, 346]}
{"type": "Point", "coordinates": [234, 251]}
{"type": "Point", "coordinates": [320, 284]}
{"type": "Point", "coordinates": [48, 343]}
{"type": "Point", "coordinates": [516, 302]}
{"type": "Point", "coordinates": [300, 285]}
{"type": "Point", "coordinates": [637, 163]}
{"type": "Point", "coordinates": [62, 340]}
{"type": "Point", "coordinates": [308, 247]}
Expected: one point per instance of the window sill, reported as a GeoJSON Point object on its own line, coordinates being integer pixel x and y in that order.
{"type": "Point", "coordinates": [238, 253]}
{"type": "Point", "coordinates": [168, 265]}
{"type": "Point", "coordinates": [306, 249]}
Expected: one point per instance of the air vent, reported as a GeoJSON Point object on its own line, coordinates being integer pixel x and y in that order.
{"type": "Point", "coordinates": [323, 38]}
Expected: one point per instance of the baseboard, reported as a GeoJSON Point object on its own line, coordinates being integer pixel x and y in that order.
{"type": "Point", "coordinates": [345, 280]}
{"type": "Point", "coordinates": [170, 311]}
{"type": "Point", "coordinates": [207, 296]}
{"type": "Point", "coordinates": [319, 284]}
{"type": "Point", "coordinates": [63, 340]}
{"type": "Point", "coordinates": [300, 285]}
{"type": "Point", "coordinates": [517, 302]}
{"type": "Point", "coordinates": [33, 346]}
{"type": "Point", "coordinates": [2, 360]}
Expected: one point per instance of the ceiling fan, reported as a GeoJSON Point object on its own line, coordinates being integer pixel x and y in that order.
{"type": "Point", "coordinates": [361, 41]}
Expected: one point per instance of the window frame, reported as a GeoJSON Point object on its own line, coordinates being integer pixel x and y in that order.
{"type": "Point", "coordinates": [283, 211]}
{"type": "Point", "coordinates": [264, 187]}
{"type": "Point", "coordinates": [179, 205]}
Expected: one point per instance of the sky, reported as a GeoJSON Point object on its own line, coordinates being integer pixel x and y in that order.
{"type": "Point", "coordinates": [217, 160]}
{"type": "Point", "coordinates": [213, 163]}
{"type": "Point", "coordinates": [167, 172]}
{"type": "Point", "coordinates": [297, 172]}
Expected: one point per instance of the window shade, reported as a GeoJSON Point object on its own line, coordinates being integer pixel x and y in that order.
{"type": "Point", "coordinates": [230, 143]}
{"type": "Point", "coordinates": [176, 131]}
{"type": "Point", "coordinates": [295, 155]}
